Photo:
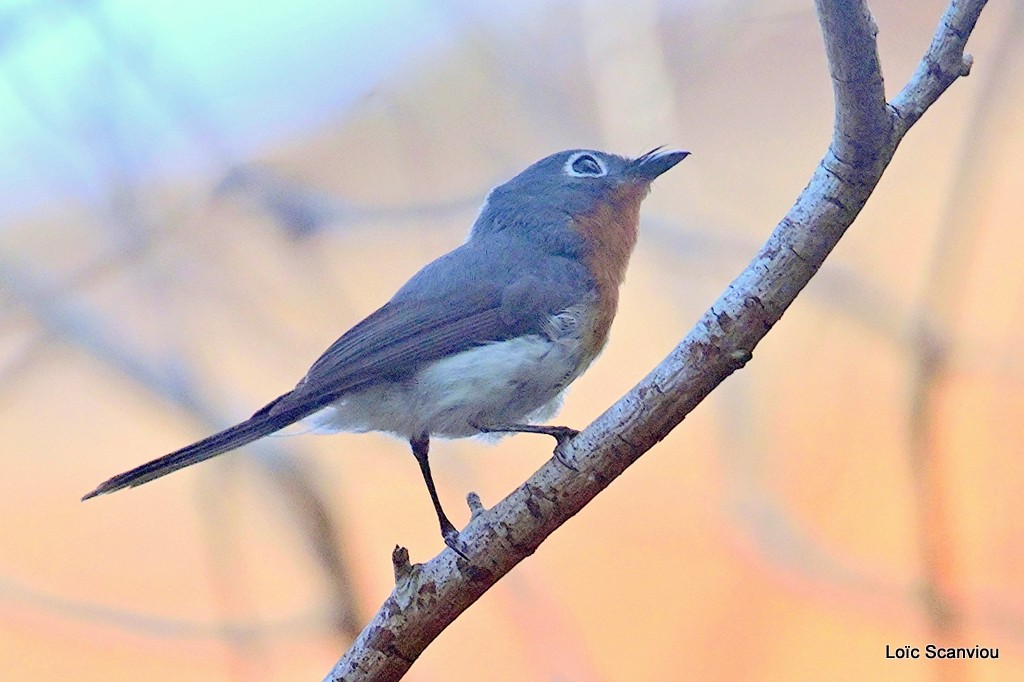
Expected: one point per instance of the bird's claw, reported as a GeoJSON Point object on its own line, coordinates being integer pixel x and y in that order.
{"type": "Point", "coordinates": [451, 538]}
{"type": "Point", "coordinates": [563, 437]}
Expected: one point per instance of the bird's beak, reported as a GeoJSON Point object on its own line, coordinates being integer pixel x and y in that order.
{"type": "Point", "coordinates": [654, 163]}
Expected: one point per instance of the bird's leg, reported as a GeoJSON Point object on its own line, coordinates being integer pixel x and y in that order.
{"type": "Point", "coordinates": [561, 434]}
{"type": "Point", "coordinates": [421, 450]}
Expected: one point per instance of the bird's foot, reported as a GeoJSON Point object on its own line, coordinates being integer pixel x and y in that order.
{"type": "Point", "coordinates": [562, 442]}
{"type": "Point", "coordinates": [451, 538]}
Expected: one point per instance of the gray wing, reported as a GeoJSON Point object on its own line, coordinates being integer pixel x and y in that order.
{"type": "Point", "coordinates": [462, 300]}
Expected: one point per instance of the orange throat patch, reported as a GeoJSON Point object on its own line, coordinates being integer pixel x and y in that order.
{"type": "Point", "coordinates": [610, 233]}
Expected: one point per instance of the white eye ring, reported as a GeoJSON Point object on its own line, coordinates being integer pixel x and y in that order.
{"type": "Point", "coordinates": [585, 165]}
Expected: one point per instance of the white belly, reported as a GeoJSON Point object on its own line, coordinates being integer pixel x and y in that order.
{"type": "Point", "coordinates": [508, 382]}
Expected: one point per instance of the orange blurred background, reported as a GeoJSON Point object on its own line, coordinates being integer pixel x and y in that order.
{"type": "Point", "coordinates": [857, 485]}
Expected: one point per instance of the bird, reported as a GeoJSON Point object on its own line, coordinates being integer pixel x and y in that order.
{"type": "Point", "coordinates": [486, 338]}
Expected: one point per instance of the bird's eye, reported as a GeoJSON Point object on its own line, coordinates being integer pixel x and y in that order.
{"type": "Point", "coordinates": [586, 165]}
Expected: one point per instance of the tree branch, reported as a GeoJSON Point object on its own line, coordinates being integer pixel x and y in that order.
{"type": "Point", "coordinates": [427, 597]}
{"type": "Point", "coordinates": [943, 63]}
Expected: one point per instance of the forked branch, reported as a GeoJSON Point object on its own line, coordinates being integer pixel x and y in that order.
{"type": "Point", "coordinates": [427, 597]}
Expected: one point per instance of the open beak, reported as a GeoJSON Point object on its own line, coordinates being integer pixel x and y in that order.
{"type": "Point", "coordinates": [654, 163]}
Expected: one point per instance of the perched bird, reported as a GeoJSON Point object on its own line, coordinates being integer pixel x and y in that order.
{"type": "Point", "coordinates": [485, 338]}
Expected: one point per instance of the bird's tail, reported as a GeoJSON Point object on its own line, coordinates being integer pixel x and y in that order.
{"type": "Point", "coordinates": [261, 424]}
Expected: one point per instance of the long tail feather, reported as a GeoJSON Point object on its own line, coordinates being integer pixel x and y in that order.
{"type": "Point", "coordinates": [260, 424]}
